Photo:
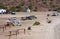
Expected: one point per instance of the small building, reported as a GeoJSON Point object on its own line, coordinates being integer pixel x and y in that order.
{"type": "Point", "coordinates": [2, 11]}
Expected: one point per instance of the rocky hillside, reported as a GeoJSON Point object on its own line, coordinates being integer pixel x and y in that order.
{"type": "Point", "coordinates": [34, 5]}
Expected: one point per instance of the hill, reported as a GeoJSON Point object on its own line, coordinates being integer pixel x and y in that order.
{"type": "Point", "coordinates": [34, 5]}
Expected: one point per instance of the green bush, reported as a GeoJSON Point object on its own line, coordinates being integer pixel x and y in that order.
{"type": "Point", "coordinates": [36, 23]}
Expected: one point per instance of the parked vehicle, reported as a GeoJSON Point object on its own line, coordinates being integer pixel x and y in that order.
{"type": "Point", "coordinates": [55, 14]}
{"type": "Point", "coordinates": [13, 13]}
{"type": "Point", "coordinates": [33, 17]}
{"type": "Point", "coordinates": [2, 12]}
{"type": "Point", "coordinates": [29, 17]}
{"type": "Point", "coordinates": [23, 18]}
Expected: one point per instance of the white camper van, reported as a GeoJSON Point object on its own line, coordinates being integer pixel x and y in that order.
{"type": "Point", "coordinates": [2, 11]}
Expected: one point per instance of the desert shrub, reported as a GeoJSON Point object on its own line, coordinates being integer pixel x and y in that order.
{"type": "Point", "coordinates": [13, 9]}
{"type": "Point", "coordinates": [36, 23]}
{"type": "Point", "coordinates": [29, 28]}
{"type": "Point", "coordinates": [49, 21]}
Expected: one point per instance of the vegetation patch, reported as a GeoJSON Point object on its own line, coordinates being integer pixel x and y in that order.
{"type": "Point", "coordinates": [36, 23]}
{"type": "Point", "coordinates": [49, 21]}
{"type": "Point", "coordinates": [29, 28]}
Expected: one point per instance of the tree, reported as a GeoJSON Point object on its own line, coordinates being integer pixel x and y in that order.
{"type": "Point", "coordinates": [44, 2]}
{"type": "Point", "coordinates": [18, 6]}
{"type": "Point", "coordinates": [13, 9]}
{"type": "Point", "coordinates": [30, 6]}
{"type": "Point", "coordinates": [16, 9]}
{"type": "Point", "coordinates": [19, 10]}
{"type": "Point", "coordinates": [51, 0]}
{"type": "Point", "coordinates": [3, 6]}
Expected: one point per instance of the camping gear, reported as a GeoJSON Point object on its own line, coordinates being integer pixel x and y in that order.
{"type": "Point", "coordinates": [14, 21]}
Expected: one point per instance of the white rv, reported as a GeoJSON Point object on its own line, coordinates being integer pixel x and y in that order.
{"type": "Point", "coordinates": [2, 11]}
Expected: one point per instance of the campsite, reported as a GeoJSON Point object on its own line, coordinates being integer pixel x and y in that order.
{"type": "Point", "coordinates": [43, 27]}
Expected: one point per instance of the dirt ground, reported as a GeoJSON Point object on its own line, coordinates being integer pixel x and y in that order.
{"type": "Point", "coordinates": [43, 31]}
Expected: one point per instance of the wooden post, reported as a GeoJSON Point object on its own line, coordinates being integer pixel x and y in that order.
{"type": "Point", "coordinates": [5, 26]}
{"type": "Point", "coordinates": [9, 34]}
{"type": "Point", "coordinates": [17, 31]}
{"type": "Point", "coordinates": [3, 29]}
{"type": "Point", "coordinates": [24, 31]}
